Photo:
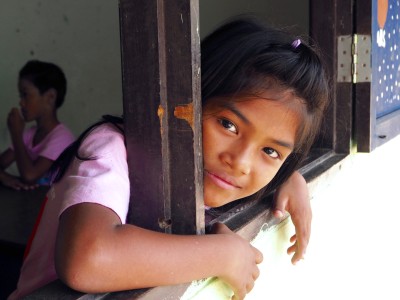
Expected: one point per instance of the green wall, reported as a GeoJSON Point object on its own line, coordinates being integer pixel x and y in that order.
{"type": "Point", "coordinates": [82, 37]}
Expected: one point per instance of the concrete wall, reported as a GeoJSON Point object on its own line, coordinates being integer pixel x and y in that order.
{"type": "Point", "coordinates": [353, 251]}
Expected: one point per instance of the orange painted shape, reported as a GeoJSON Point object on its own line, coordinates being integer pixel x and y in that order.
{"type": "Point", "coordinates": [382, 12]}
{"type": "Point", "coordinates": [185, 112]}
{"type": "Point", "coordinates": [160, 114]}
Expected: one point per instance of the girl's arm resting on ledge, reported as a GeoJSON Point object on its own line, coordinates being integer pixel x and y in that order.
{"type": "Point", "coordinates": [95, 253]}
{"type": "Point", "coordinates": [293, 197]}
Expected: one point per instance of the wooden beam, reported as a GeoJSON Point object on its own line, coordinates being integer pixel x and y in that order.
{"type": "Point", "coordinates": [328, 21]}
{"type": "Point", "coordinates": [365, 115]}
{"type": "Point", "coordinates": [160, 47]}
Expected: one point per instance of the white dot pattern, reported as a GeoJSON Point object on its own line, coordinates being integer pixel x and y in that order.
{"type": "Point", "coordinates": [385, 86]}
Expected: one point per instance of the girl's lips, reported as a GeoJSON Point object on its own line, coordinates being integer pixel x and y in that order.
{"type": "Point", "coordinates": [222, 181]}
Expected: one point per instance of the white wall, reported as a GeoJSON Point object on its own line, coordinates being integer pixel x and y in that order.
{"type": "Point", "coordinates": [354, 247]}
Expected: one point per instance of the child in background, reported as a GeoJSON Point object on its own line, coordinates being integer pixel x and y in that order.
{"type": "Point", "coordinates": [42, 87]}
{"type": "Point", "coordinates": [264, 94]}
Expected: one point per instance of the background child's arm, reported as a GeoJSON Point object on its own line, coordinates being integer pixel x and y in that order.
{"type": "Point", "coordinates": [293, 197]}
{"type": "Point", "coordinates": [30, 171]}
{"type": "Point", "coordinates": [95, 253]}
{"type": "Point", "coordinates": [6, 158]}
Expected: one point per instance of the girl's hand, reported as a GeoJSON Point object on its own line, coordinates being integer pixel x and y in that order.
{"type": "Point", "coordinates": [15, 122]}
{"type": "Point", "coordinates": [293, 197]}
{"type": "Point", "coordinates": [243, 260]}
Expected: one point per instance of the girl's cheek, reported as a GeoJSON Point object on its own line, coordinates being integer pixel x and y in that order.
{"type": "Point", "coordinates": [266, 176]}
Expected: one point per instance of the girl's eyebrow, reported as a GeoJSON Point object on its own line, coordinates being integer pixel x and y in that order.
{"type": "Point", "coordinates": [233, 109]}
{"type": "Point", "coordinates": [288, 145]}
{"type": "Point", "coordinates": [238, 113]}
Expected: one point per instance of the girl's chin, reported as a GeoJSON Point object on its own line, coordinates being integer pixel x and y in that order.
{"type": "Point", "coordinates": [215, 203]}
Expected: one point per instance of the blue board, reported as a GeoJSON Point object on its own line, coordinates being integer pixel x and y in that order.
{"type": "Point", "coordinates": [385, 86]}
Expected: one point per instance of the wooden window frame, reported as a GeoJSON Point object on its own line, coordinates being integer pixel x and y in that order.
{"type": "Point", "coordinates": [165, 67]}
{"type": "Point", "coordinates": [162, 113]}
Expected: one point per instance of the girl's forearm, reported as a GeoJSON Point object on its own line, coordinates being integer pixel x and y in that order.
{"type": "Point", "coordinates": [128, 257]}
{"type": "Point", "coordinates": [24, 163]}
{"type": "Point", "coordinates": [30, 171]}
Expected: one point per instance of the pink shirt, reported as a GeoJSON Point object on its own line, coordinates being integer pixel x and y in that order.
{"type": "Point", "coordinates": [103, 181]}
{"type": "Point", "coordinates": [51, 146]}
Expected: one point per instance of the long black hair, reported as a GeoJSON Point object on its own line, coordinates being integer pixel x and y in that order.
{"type": "Point", "coordinates": [246, 57]}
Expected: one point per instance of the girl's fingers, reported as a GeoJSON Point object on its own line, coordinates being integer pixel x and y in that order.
{"type": "Point", "coordinates": [296, 258]}
{"type": "Point", "coordinates": [249, 286]}
{"type": "Point", "coordinates": [298, 255]}
{"type": "Point", "coordinates": [293, 238]}
{"type": "Point", "coordinates": [292, 249]}
{"type": "Point", "coordinates": [239, 295]}
{"type": "Point", "coordinates": [256, 274]}
{"type": "Point", "coordinates": [258, 255]}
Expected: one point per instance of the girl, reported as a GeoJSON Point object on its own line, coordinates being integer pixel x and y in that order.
{"type": "Point", "coordinates": [263, 99]}
{"type": "Point", "coordinates": [42, 88]}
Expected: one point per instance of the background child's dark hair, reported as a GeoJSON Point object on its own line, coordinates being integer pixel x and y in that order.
{"type": "Point", "coordinates": [45, 76]}
{"type": "Point", "coordinates": [245, 57]}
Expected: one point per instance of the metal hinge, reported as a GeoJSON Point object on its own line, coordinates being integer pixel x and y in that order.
{"type": "Point", "coordinates": [354, 58]}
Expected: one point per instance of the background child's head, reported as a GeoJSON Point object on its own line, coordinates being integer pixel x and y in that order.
{"type": "Point", "coordinates": [245, 57]}
{"type": "Point", "coordinates": [45, 76]}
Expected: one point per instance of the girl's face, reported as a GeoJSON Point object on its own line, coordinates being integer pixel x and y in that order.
{"type": "Point", "coordinates": [31, 100]}
{"type": "Point", "coordinates": [244, 145]}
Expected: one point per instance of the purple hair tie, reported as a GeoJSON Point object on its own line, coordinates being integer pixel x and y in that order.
{"type": "Point", "coordinates": [296, 43]}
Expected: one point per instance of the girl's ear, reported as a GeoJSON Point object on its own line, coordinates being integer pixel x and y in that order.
{"type": "Point", "coordinates": [51, 96]}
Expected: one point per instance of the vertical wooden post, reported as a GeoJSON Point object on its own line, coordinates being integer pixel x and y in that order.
{"type": "Point", "coordinates": [328, 21]}
{"type": "Point", "coordinates": [162, 110]}
{"type": "Point", "coordinates": [365, 114]}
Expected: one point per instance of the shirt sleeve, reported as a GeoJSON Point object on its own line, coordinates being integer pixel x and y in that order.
{"type": "Point", "coordinates": [59, 139]}
{"type": "Point", "coordinates": [103, 179]}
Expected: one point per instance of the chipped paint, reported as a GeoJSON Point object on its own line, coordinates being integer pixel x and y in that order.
{"type": "Point", "coordinates": [164, 223]}
{"type": "Point", "coordinates": [185, 112]}
{"type": "Point", "coordinates": [160, 114]}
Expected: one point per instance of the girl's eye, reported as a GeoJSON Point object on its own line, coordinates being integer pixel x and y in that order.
{"type": "Point", "coordinates": [271, 152]}
{"type": "Point", "coordinates": [228, 125]}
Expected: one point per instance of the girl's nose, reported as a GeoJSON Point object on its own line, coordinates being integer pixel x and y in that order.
{"type": "Point", "coordinates": [240, 160]}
